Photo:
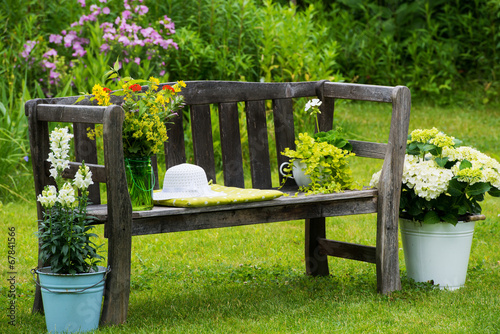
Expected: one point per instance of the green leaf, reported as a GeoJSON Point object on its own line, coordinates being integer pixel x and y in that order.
{"type": "Point", "coordinates": [478, 189]}
{"type": "Point", "coordinates": [65, 249]}
{"type": "Point", "coordinates": [431, 217]}
{"type": "Point", "coordinates": [450, 218]}
{"type": "Point", "coordinates": [456, 188]}
{"type": "Point", "coordinates": [494, 192]}
{"type": "Point", "coordinates": [465, 164]}
{"type": "Point", "coordinates": [441, 161]}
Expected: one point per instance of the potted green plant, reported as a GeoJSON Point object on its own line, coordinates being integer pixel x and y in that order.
{"type": "Point", "coordinates": [442, 187]}
{"type": "Point", "coordinates": [72, 283]}
{"type": "Point", "coordinates": [319, 163]}
{"type": "Point", "coordinates": [144, 131]}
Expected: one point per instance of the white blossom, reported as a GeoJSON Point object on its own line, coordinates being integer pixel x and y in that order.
{"type": "Point", "coordinates": [67, 196]}
{"type": "Point", "coordinates": [48, 197]}
{"type": "Point", "coordinates": [312, 103]}
{"type": "Point", "coordinates": [83, 178]}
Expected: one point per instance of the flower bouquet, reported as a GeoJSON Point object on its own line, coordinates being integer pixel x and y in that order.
{"type": "Point", "coordinates": [147, 110]}
{"type": "Point", "coordinates": [442, 180]}
{"type": "Point", "coordinates": [323, 158]}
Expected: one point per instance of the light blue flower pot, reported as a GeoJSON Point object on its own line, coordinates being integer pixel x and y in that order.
{"type": "Point", "coordinates": [72, 303]}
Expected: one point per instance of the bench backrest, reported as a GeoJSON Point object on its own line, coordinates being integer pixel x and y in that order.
{"type": "Point", "coordinates": [228, 98]}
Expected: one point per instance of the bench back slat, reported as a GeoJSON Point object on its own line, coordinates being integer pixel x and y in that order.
{"type": "Point", "coordinates": [232, 159]}
{"type": "Point", "coordinates": [258, 144]}
{"type": "Point", "coordinates": [284, 131]}
{"type": "Point", "coordinates": [175, 150]}
{"type": "Point", "coordinates": [203, 147]}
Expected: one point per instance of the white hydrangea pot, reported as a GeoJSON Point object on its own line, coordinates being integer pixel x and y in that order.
{"type": "Point", "coordinates": [437, 253]}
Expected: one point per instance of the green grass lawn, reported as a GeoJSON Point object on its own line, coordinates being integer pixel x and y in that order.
{"type": "Point", "coordinates": [251, 279]}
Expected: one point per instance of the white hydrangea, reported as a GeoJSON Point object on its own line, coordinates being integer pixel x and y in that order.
{"type": "Point", "coordinates": [375, 179]}
{"type": "Point", "coordinates": [67, 196]}
{"type": "Point", "coordinates": [426, 178]}
{"type": "Point", "coordinates": [83, 178]}
{"type": "Point", "coordinates": [48, 197]}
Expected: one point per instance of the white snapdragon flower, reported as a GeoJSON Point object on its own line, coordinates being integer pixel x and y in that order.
{"type": "Point", "coordinates": [312, 103]}
{"type": "Point", "coordinates": [67, 196]}
{"type": "Point", "coordinates": [59, 145]}
{"type": "Point", "coordinates": [48, 197]}
{"type": "Point", "coordinates": [83, 178]}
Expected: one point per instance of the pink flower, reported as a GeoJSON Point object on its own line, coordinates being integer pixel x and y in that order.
{"type": "Point", "coordinates": [104, 47]}
{"type": "Point", "coordinates": [124, 40]}
{"type": "Point", "coordinates": [49, 53]}
{"type": "Point", "coordinates": [82, 2]}
{"type": "Point", "coordinates": [147, 32]}
{"type": "Point", "coordinates": [126, 14]}
{"type": "Point", "coordinates": [141, 9]}
{"type": "Point", "coordinates": [137, 60]}
{"type": "Point", "coordinates": [106, 10]}
{"type": "Point", "coordinates": [102, 1]}
{"type": "Point", "coordinates": [108, 36]}
{"type": "Point", "coordinates": [28, 47]}
{"type": "Point", "coordinates": [55, 39]}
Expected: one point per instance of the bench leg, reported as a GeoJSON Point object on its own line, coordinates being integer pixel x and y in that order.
{"type": "Point", "coordinates": [117, 290]}
{"type": "Point", "coordinates": [316, 261]}
{"type": "Point", "coordinates": [387, 257]}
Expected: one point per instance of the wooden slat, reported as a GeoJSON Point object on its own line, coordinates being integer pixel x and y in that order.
{"type": "Point", "coordinates": [39, 147]}
{"type": "Point", "coordinates": [369, 149]}
{"type": "Point", "coordinates": [316, 260]}
{"type": "Point", "coordinates": [86, 150]}
{"type": "Point", "coordinates": [118, 229]}
{"type": "Point", "coordinates": [175, 151]}
{"type": "Point", "coordinates": [232, 160]}
{"type": "Point", "coordinates": [70, 113]}
{"type": "Point", "coordinates": [203, 92]}
{"type": "Point", "coordinates": [203, 146]}
{"type": "Point", "coordinates": [389, 194]}
{"type": "Point", "coordinates": [98, 171]}
{"type": "Point", "coordinates": [348, 250]}
{"type": "Point", "coordinates": [341, 90]}
{"type": "Point", "coordinates": [258, 145]}
{"type": "Point", "coordinates": [284, 131]}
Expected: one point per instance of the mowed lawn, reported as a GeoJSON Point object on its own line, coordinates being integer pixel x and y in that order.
{"type": "Point", "coordinates": [251, 279]}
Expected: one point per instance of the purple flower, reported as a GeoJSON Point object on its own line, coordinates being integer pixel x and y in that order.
{"type": "Point", "coordinates": [147, 32]}
{"type": "Point", "coordinates": [55, 39]}
{"type": "Point", "coordinates": [106, 10]}
{"type": "Point", "coordinates": [96, 10]}
{"type": "Point", "coordinates": [68, 39]}
{"type": "Point", "coordinates": [162, 73]}
{"type": "Point", "coordinates": [137, 60]}
{"type": "Point", "coordinates": [82, 2]}
{"type": "Point", "coordinates": [28, 47]}
{"type": "Point", "coordinates": [126, 14]}
{"type": "Point", "coordinates": [108, 37]}
{"type": "Point", "coordinates": [54, 75]}
{"type": "Point", "coordinates": [141, 9]}
{"type": "Point", "coordinates": [102, 1]}
{"type": "Point", "coordinates": [26, 158]}
{"type": "Point", "coordinates": [124, 40]}
{"type": "Point", "coordinates": [50, 53]}
{"type": "Point", "coordinates": [104, 47]}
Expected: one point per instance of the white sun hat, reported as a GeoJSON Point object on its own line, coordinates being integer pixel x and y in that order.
{"type": "Point", "coordinates": [185, 181]}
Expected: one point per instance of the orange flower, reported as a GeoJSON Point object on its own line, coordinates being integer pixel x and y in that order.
{"type": "Point", "coordinates": [135, 87]}
{"type": "Point", "coordinates": [107, 90]}
{"type": "Point", "coordinates": [169, 87]}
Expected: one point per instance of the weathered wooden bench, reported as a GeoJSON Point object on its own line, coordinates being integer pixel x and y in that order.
{"type": "Point", "coordinates": [121, 223]}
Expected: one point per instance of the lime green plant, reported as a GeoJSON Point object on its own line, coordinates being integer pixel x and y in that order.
{"type": "Point", "coordinates": [325, 155]}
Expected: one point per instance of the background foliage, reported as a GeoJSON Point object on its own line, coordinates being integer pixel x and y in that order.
{"type": "Point", "coordinates": [447, 52]}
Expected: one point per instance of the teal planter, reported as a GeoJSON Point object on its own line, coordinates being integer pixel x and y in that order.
{"type": "Point", "coordinates": [72, 303]}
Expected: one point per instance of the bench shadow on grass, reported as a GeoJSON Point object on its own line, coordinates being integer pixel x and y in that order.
{"type": "Point", "coordinates": [247, 292]}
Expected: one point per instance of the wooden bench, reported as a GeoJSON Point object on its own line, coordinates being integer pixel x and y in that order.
{"type": "Point", "coordinates": [121, 223]}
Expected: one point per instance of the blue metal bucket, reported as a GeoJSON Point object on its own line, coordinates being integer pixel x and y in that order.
{"type": "Point", "coordinates": [72, 303]}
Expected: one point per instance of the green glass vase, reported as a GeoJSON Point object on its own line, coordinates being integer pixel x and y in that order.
{"type": "Point", "coordinates": [140, 182]}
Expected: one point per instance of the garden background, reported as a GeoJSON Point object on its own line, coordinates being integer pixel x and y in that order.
{"type": "Point", "coordinates": [446, 52]}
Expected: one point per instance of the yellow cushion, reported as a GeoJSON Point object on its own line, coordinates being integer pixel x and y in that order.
{"type": "Point", "coordinates": [231, 195]}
